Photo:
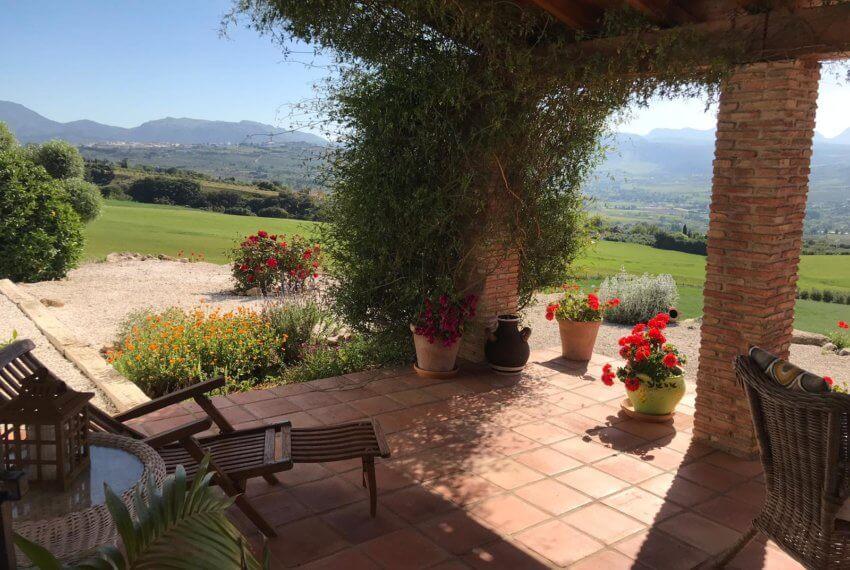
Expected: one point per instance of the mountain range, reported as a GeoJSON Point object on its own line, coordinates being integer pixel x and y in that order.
{"type": "Point", "coordinates": [30, 127]}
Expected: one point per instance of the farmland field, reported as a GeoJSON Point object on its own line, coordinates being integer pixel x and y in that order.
{"type": "Point", "coordinates": [151, 228]}
{"type": "Point", "coordinates": [148, 228]}
{"type": "Point", "coordinates": [816, 272]}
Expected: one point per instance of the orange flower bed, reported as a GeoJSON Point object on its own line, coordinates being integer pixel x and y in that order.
{"type": "Point", "coordinates": [164, 352]}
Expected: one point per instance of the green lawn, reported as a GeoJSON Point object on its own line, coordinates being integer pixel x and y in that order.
{"type": "Point", "coordinates": [816, 271]}
{"type": "Point", "coordinates": [147, 228]}
{"type": "Point", "coordinates": [150, 228]}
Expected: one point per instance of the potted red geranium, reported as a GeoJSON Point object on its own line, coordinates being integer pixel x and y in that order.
{"type": "Point", "coordinates": [653, 374]}
{"type": "Point", "coordinates": [437, 334]}
{"type": "Point", "coordinates": [579, 316]}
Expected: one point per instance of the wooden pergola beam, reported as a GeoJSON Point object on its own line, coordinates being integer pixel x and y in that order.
{"type": "Point", "coordinates": [574, 14]}
{"type": "Point", "coordinates": [662, 11]}
{"type": "Point", "coordinates": [820, 33]}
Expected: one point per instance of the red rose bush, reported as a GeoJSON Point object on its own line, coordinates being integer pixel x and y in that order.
{"type": "Point", "coordinates": [274, 263]}
{"type": "Point", "coordinates": [651, 361]}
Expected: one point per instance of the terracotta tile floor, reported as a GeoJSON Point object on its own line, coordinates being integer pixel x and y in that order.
{"type": "Point", "coordinates": [534, 471]}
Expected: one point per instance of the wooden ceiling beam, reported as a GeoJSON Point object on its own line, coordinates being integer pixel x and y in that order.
{"type": "Point", "coordinates": [570, 12]}
{"type": "Point", "coordinates": [662, 11]}
{"type": "Point", "coordinates": [819, 33]}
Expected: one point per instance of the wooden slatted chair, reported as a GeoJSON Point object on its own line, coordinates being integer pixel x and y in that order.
{"type": "Point", "coordinates": [236, 455]}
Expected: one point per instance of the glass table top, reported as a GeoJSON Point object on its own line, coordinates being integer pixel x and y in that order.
{"type": "Point", "coordinates": [118, 468]}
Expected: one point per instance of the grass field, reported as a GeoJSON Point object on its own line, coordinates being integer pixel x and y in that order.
{"type": "Point", "coordinates": [150, 228]}
{"type": "Point", "coordinates": [816, 271]}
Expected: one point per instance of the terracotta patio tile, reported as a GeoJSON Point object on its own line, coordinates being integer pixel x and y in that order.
{"type": "Point", "coordinates": [310, 400]}
{"type": "Point", "coordinates": [290, 389]}
{"type": "Point", "coordinates": [415, 504]}
{"type": "Point", "coordinates": [452, 564]}
{"type": "Point", "coordinates": [355, 524]}
{"type": "Point", "coordinates": [343, 466]}
{"type": "Point", "coordinates": [558, 542]}
{"type": "Point", "coordinates": [670, 487]}
{"type": "Point", "coordinates": [464, 488]}
{"type": "Point", "coordinates": [699, 531]}
{"type": "Point", "coordinates": [388, 385]}
{"type": "Point", "coordinates": [404, 549]}
{"type": "Point", "coordinates": [271, 407]}
{"type": "Point", "coordinates": [661, 551]}
{"type": "Point", "coordinates": [158, 426]}
{"type": "Point", "coordinates": [412, 397]}
{"type": "Point", "coordinates": [326, 494]}
{"type": "Point", "coordinates": [603, 523]}
{"type": "Point", "coordinates": [305, 540]}
{"type": "Point", "coordinates": [570, 401]}
{"type": "Point", "coordinates": [335, 414]}
{"type": "Point", "coordinates": [348, 394]}
{"type": "Point", "coordinates": [585, 450]}
{"type": "Point", "coordinates": [592, 482]}
{"type": "Point", "coordinates": [503, 555]}
{"type": "Point", "coordinates": [734, 464]}
{"type": "Point", "coordinates": [300, 473]}
{"type": "Point", "coordinates": [599, 392]}
{"type": "Point", "coordinates": [606, 560]}
{"type": "Point", "coordinates": [237, 415]}
{"type": "Point", "coordinates": [547, 461]}
{"type": "Point", "coordinates": [280, 507]}
{"type": "Point", "coordinates": [605, 414]}
{"type": "Point", "coordinates": [735, 514]}
{"type": "Point", "coordinates": [683, 442]}
{"type": "Point", "coordinates": [349, 559]}
{"type": "Point", "coordinates": [251, 396]}
{"type": "Point", "coordinates": [750, 492]}
{"type": "Point", "coordinates": [710, 476]}
{"type": "Point", "coordinates": [387, 478]}
{"type": "Point", "coordinates": [508, 473]}
{"type": "Point", "coordinates": [447, 390]}
{"type": "Point", "coordinates": [576, 423]}
{"type": "Point", "coordinates": [627, 468]}
{"type": "Point", "coordinates": [662, 457]}
{"type": "Point", "coordinates": [509, 442]}
{"type": "Point", "coordinates": [543, 432]}
{"type": "Point", "coordinates": [512, 417]}
{"type": "Point", "coordinates": [565, 381]}
{"type": "Point", "coordinates": [553, 497]}
{"type": "Point", "coordinates": [457, 532]}
{"type": "Point", "coordinates": [298, 419]}
{"type": "Point", "coordinates": [375, 405]}
{"type": "Point", "coordinates": [616, 439]}
{"type": "Point", "coordinates": [508, 514]}
{"type": "Point", "coordinates": [650, 431]}
{"type": "Point", "coordinates": [758, 555]}
{"type": "Point", "coordinates": [642, 505]}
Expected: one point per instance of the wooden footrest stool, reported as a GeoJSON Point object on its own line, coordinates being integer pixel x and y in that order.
{"type": "Point", "coordinates": [363, 439]}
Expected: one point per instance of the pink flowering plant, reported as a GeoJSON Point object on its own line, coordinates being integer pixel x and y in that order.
{"type": "Point", "coordinates": [650, 360]}
{"type": "Point", "coordinates": [443, 317]}
{"type": "Point", "coordinates": [578, 306]}
{"type": "Point", "coordinates": [275, 264]}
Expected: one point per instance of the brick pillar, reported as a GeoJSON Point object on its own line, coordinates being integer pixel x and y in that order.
{"type": "Point", "coordinates": [492, 274]}
{"type": "Point", "coordinates": [764, 145]}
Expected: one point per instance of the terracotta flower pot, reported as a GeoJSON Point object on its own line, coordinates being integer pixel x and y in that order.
{"type": "Point", "coordinates": [434, 359]}
{"type": "Point", "coordinates": [578, 339]}
{"type": "Point", "coordinates": [657, 401]}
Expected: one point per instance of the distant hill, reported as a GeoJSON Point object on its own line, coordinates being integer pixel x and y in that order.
{"type": "Point", "coordinates": [28, 126]}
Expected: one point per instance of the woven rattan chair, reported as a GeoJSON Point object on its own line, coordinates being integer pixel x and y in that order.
{"type": "Point", "coordinates": [804, 441]}
{"type": "Point", "coordinates": [235, 455]}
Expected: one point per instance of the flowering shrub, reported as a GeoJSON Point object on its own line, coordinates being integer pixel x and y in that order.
{"type": "Point", "coordinates": [840, 338]}
{"type": "Point", "coordinates": [578, 306]}
{"type": "Point", "coordinates": [162, 353]}
{"type": "Point", "coordinates": [650, 359]}
{"type": "Point", "coordinates": [641, 296]}
{"type": "Point", "coordinates": [443, 318]}
{"type": "Point", "coordinates": [271, 263]}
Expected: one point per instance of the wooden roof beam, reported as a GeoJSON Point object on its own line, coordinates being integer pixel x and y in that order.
{"type": "Point", "coordinates": [662, 12]}
{"type": "Point", "coordinates": [574, 14]}
{"type": "Point", "coordinates": [819, 33]}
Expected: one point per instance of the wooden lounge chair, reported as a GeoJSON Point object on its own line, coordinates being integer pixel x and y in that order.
{"type": "Point", "coordinates": [235, 455]}
{"type": "Point", "coordinates": [805, 450]}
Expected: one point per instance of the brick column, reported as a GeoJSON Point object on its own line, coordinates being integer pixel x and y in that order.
{"type": "Point", "coordinates": [491, 272]}
{"type": "Point", "coordinates": [764, 145]}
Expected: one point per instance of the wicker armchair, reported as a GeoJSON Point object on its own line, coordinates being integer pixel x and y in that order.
{"type": "Point", "coordinates": [804, 440]}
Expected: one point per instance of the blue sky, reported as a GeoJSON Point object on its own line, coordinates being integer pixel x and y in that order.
{"type": "Point", "coordinates": [123, 62]}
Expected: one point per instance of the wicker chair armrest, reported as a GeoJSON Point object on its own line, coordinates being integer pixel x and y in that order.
{"type": "Point", "coordinates": [190, 392]}
{"type": "Point", "coordinates": [179, 433]}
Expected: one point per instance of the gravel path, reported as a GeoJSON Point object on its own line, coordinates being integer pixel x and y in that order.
{"type": "Point", "coordinates": [686, 337]}
{"type": "Point", "coordinates": [98, 296]}
{"type": "Point", "coordinates": [12, 319]}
